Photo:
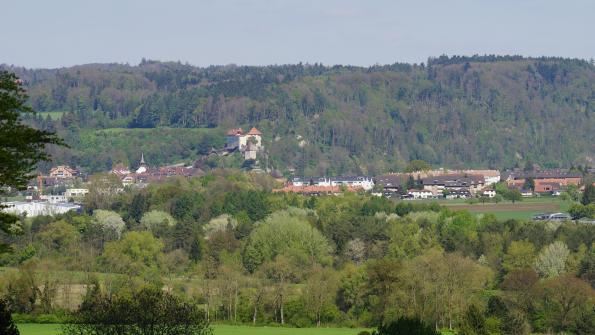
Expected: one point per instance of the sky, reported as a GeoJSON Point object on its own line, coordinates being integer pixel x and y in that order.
{"type": "Point", "coordinates": [59, 33]}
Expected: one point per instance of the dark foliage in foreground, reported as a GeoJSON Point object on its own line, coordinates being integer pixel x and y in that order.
{"type": "Point", "coordinates": [149, 311]}
{"type": "Point", "coordinates": [7, 326]}
{"type": "Point", "coordinates": [406, 326]}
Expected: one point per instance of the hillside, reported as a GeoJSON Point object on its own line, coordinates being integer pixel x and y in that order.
{"type": "Point", "coordinates": [481, 111]}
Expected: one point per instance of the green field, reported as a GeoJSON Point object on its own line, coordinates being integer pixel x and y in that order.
{"type": "Point", "coordinates": [52, 329]}
{"type": "Point", "coordinates": [505, 210]}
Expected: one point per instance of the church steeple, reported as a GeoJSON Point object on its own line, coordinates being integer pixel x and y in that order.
{"type": "Point", "coordinates": [142, 168]}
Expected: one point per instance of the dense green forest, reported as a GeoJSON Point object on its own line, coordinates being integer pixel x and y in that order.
{"type": "Point", "coordinates": [480, 111]}
{"type": "Point", "coordinates": [247, 255]}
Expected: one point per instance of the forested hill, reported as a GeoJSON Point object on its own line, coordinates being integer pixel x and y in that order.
{"type": "Point", "coordinates": [481, 111]}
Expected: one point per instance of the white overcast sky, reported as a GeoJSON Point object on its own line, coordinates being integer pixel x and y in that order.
{"type": "Point", "coordinates": [56, 33]}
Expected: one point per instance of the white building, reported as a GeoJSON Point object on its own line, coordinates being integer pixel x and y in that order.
{"type": "Point", "coordinates": [489, 193]}
{"type": "Point", "coordinates": [420, 194]}
{"type": "Point", "coordinates": [366, 183]}
{"type": "Point", "coordinates": [75, 192]}
{"type": "Point", "coordinates": [36, 208]}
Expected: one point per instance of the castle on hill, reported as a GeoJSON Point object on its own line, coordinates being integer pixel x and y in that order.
{"type": "Point", "coordinates": [247, 143]}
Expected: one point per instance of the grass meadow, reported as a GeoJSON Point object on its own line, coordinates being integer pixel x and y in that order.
{"type": "Point", "coordinates": [505, 210]}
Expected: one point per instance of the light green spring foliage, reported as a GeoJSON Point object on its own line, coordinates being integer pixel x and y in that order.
{"type": "Point", "coordinates": [408, 238]}
{"type": "Point", "coordinates": [59, 236]}
{"type": "Point", "coordinates": [520, 254]}
{"type": "Point", "coordinates": [110, 222]}
{"type": "Point", "coordinates": [154, 220]}
{"type": "Point", "coordinates": [551, 261]}
{"type": "Point", "coordinates": [220, 223]}
{"type": "Point", "coordinates": [136, 253]}
{"type": "Point", "coordinates": [286, 232]}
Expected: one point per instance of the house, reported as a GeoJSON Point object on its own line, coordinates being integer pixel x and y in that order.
{"type": "Point", "coordinates": [120, 170]}
{"type": "Point", "coordinates": [366, 183]}
{"type": "Point", "coordinates": [563, 177]}
{"type": "Point", "coordinates": [490, 176]}
{"type": "Point", "coordinates": [490, 193]}
{"type": "Point", "coordinates": [420, 194]}
{"type": "Point", "coordinates": [233, 138]}
{"type": "Point", "coordinates": [526, 193]}
{"type": "Point", "coordinates": [363, 182]}
{"type": "Point", "coordinates": [457, 193]}
{"type": "Point", "coordinates": [236, 139]}
{"type": "Point", "coordinates": [391, 183]}
{"type": "Point", "coordinates": [75, 192]}
{"type": "Point", "coordinates": [454, 182]}
{"type": "Point", "coordinates": [547, 187]}
{"type": "Point", "coordinates": [63, 172]}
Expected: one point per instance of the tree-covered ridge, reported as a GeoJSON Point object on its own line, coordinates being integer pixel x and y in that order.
{"type": "Point", "coordinates": [483, 111]}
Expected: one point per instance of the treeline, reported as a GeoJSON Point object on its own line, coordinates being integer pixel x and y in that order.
{"type": "Point", "coordinates": [480, 111]}
{"type": "Point", "coordinates": [250, 256]}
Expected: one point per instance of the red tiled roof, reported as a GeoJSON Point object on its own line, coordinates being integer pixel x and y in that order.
{"type": "Point", "coordinates": [235, 132]}
{"type": "Point", "coordinates": [254, 131]}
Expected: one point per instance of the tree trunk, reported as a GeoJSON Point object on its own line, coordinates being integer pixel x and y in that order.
{"type": "Point", "coordinates": [282, 317]}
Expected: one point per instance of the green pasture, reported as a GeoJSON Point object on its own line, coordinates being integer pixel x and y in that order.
{"type": "Point", "coordinates": [524, 209]}
{"type": "Point", "coordinates": [53, 329]}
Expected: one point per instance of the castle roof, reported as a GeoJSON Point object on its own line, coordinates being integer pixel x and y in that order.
{"type": "Point", "coordinates": [235, 132]}
{"type": "Point", "coordinates": [254, 131]}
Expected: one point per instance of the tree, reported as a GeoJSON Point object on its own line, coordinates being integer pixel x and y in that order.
{"type": "Point", "coordinates": [110, 222]}
{"type": "Point", "coordinates": [321, 290]}
{"type": "Point", "coordinates": [565, 298]}
{"type": "Point", "coordinates": [136, 253]}
{"type": "Point", "coordinates": [7, 326]}
{"type": "Point", "coordinates": [21, 146]}
{"type": "Point", "coordinates": [406, 326]}
{"type": "Point", "coordinates": [529, 184]}
{"type": "Point", "coordinates": [417, 165]}
{"type": "Point", "coordinates": [148, 311]}
{"type": "Point", "coordinates": [59, 236]}
{"type": "Point", "coordinates": [103, 188]}
{"type": "Point", "coordinates": [551, 261]}
{"type": "Point", "coordinates": [513, 195]}
{"type": "Point", "coordinates": [283, 232]}
{"type": "Point", "coordinates": [579, 211]}
{"type": "Point", "coordinates": [520, 254]}
{"type": "Point", "coordinates": [157, 221]}
{"type": "Point", "coordinates": [588, 195]}
{"type": "Point", "coordinates": [474, 322]}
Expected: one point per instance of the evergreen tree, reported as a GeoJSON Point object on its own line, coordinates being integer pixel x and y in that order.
{"type": "Point", "coordinates": [21, 146]}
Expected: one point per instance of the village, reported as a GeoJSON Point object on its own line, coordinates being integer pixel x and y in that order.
{"type": "Point", "coordinates": [64, 188]}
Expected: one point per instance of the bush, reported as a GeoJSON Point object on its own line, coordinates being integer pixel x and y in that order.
{"type": "Point", "coordinates": [406, 326]}
{"type": "Point", "coordinates": [364, 332]}
{"type": "Point", "coordinates": [149, 311]}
